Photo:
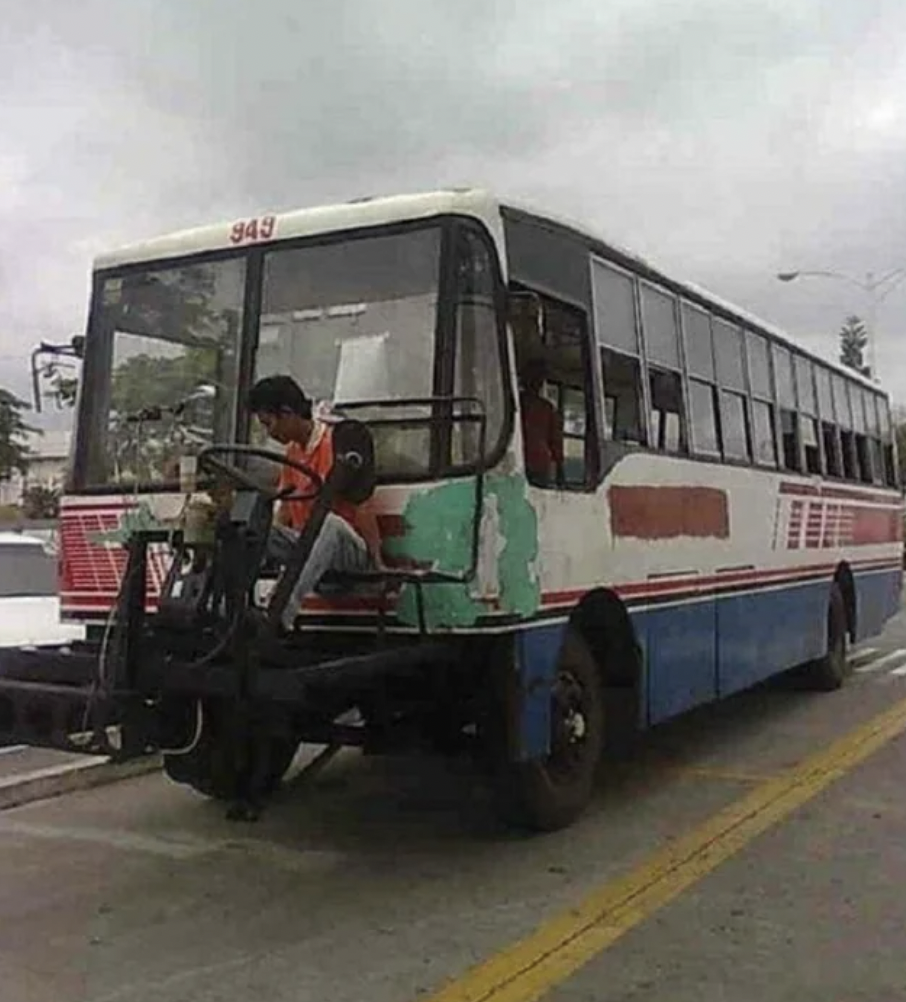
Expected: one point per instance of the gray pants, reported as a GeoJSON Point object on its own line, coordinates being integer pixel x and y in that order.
{"type": "Point", "coordinates": [338, 548]}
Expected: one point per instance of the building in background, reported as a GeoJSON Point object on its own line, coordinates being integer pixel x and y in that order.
{"type": "Point", "coordinates": [46, 466]}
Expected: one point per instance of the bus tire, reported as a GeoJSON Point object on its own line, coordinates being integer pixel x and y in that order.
{"type": "Point", "coordinates": [830, 671]}
{"type": "Point", "coordinates": [214, 768]}
{"type": "Point", "coordinates": [551, 793]}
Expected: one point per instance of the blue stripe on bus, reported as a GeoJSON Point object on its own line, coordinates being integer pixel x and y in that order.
{"type": "Point", "coordinates": [697, 652]}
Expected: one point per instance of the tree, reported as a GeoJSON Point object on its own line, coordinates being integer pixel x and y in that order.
{"type": "Point", "coordinates": [14, 433]}
{"type": "Point", "coordinates": [853, 342]}
{"type": "Point", "coordinates": [40, 502]}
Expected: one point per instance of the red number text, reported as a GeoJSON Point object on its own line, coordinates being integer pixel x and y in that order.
{"type": "Point", "coordinates": [249, 231]}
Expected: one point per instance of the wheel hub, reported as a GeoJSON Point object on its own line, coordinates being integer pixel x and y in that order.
{"type": "Point", "coordinates": [569, 725]}
{"type": "Point", "coordinates": [575, 725]}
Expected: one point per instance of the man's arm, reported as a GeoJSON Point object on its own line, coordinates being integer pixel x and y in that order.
{"type": "Point", "coordinates": [281, 514]}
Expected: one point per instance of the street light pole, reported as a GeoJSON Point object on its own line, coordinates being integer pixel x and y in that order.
{"type": "Point", "coordinates": [877, 289]}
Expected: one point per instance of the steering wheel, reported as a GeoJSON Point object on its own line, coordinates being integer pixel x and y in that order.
{"type": "Point", "coordinates": [208, 457]}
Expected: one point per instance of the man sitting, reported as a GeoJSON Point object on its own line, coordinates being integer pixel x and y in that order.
{"type": "Point", "coordinates": [348, 540]}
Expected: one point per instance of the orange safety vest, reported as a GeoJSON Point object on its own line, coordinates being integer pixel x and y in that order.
{"type": "Point", "coordinates": [317, 454]}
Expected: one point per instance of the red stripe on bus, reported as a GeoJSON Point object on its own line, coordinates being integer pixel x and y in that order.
{"type": "Point", "coordinates": [685, 583]}
{"type": "Point", "coordinates": [101, 601]}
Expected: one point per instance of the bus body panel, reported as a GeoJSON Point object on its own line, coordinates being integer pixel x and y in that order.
{"type": "Point", "coordinates": [725, 579]}
{"type": "Point", "coordinates": [724, 569]}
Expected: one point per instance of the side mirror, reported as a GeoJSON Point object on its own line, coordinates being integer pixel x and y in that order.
{"type": "Point", "coordinates": [75, 349]}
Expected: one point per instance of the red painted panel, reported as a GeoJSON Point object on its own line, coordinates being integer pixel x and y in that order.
{"type": "Point", "coordinates": [669, 512]}
{"type": "Point", "coordinates": [874, 526]}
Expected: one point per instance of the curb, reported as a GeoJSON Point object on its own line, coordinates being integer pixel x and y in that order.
{"type": "Point", "coordinates": [57, 780]}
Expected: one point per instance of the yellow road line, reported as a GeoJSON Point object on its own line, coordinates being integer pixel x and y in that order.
{"type": "Point", "coordinates": [557, 949]}
{"type": "Point", "coordinates": [726, 775]}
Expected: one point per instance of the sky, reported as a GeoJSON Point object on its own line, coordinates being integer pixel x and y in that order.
{"type": "Point", "coordinates": [726, 140]}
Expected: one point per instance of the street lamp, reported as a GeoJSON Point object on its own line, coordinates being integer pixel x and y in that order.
{"type": "Point", "coordinates": [877, 290]}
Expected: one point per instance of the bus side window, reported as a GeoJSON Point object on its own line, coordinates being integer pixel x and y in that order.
{"type": "Point", "coordinates": [790, 455]}
{"type": "Point", "coordinates": [703, 399]}
{"type": "Point", "coordinates": [661, 334]}
{"type": "Point", "coordinates": [668, 431]}
{"type": "Point", "coordinates": [830, 437]}
{"type": "Point", "coordinates": [891, 476]}
{"type": "Point", "coordinates": [862, 418]}
{"type": "Point", "coordinates": [617, 332]}
{"type": "Point", "coordinates": [789, 437]}
{"type": "Point", "coordinates": [576, 441]}
{"type": "Point", "coordinates": [843, 409]}
{"type": "Point", "coordinates": [623, 386]}
{"type": "Point", "coordinates": [551, 344]}
{"type": "Point", "coordinates": [731, 378]}
{"type": "Point", "coordinates": [809, 433]}
{"type": "Point", "coordinates": [808, 413]}
{"type": "Point", "coordinates": [848, 443]}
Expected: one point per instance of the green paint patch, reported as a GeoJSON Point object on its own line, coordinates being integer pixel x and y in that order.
{"type": "Point", "coordinates": [439, 533]}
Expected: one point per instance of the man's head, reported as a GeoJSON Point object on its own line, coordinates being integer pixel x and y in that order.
{"type": "Point", "coordinates": [281, 406]}
{"type": "Point", "coordinates": [533, 374]}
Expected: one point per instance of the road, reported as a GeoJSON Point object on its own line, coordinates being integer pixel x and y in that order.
{"type": "Point", "coordinates": [717, 866]}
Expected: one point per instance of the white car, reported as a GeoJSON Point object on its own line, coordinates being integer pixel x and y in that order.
{"type": "Point", "coordinates": [29, 606]}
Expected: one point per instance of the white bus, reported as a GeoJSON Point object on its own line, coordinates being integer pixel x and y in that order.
{"type": "Point", "coordinates": [727, 508]}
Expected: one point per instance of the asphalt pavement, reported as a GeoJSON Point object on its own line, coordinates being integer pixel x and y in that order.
{"type": "Point", "coordinates": [755, 850]}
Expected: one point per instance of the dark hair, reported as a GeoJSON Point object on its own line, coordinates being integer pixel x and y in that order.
{"type": "Point", "coordinates": [275, 394]}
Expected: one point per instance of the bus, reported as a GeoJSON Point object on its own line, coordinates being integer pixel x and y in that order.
{"type": "Point", "coordinates": [726, 507]}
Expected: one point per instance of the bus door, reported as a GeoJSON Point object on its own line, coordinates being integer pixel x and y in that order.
{"type": "Point", "coordinates": [560, 438]}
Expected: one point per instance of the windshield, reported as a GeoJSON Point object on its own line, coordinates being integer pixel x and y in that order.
{"type": "Point", "coordinates": [355, 320]}
{"type": "Point", "coordinates": [165, 367]}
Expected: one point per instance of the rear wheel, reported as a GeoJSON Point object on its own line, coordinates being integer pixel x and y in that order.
{"type": "Point", "coordinates": [830, 671]}
{"type": "Point", "coordinates": [552, 792]}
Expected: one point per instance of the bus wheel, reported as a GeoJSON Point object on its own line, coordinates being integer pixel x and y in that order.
{"type": "Point", "coordinates": [552, 792]}
{"type": "Point", "coordinates": [829, 672]}
{"type": "Point", "coordinates": [216, 768]}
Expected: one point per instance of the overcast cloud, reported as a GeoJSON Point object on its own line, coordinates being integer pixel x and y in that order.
{"type": "Point", "coordinates": [725, 139]}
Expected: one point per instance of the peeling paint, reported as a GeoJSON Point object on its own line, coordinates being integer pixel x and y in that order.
{"type": "Point", "coordinates": [439, 526]}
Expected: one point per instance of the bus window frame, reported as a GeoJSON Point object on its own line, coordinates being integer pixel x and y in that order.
{"type": "Point", "coordinates": [93, 366]}
{"type": "Point", "coordinates": [96, 366]}
{"type": "Point", "coordinates": [644, 400]}
{"type": "Point", "coordinates": [592, 386]}
{"type": "Point", "coordinates": [710, 381]}
{"type": "Point", "coordinates": [650, 366]}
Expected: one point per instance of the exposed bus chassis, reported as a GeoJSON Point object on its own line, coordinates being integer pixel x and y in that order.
{"type": "Point", "coordinates": [208, 678]}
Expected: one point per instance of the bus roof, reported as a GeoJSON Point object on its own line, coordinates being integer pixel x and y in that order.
{"type": "Point", "coordinates": [358, 213]}
{"type": "Point", "coordinates": [477, 202]}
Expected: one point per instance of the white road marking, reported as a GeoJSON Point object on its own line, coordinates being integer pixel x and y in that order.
{"type": "Point", "coordinates": [885, 661]}
{"type": "Point", "coordinates": [861, 655]}
{"type": "Point", "coordinates": [9, 749]}
{"type": "Point", "coordinates": [899, 671]}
